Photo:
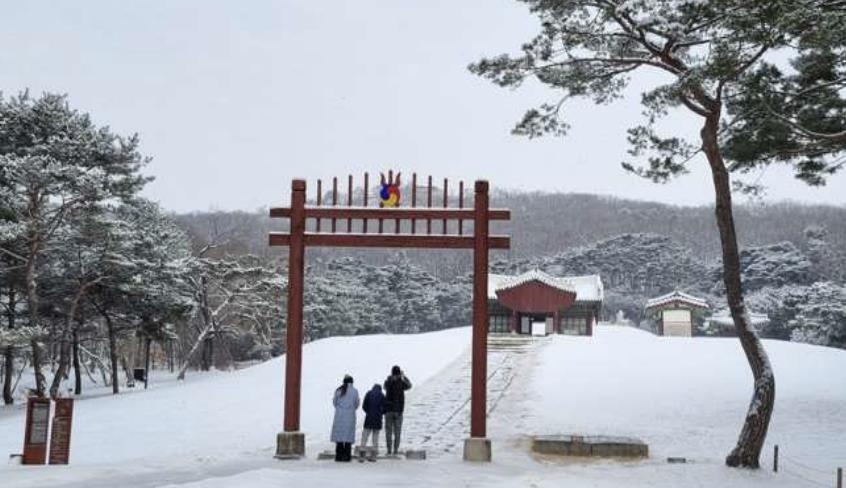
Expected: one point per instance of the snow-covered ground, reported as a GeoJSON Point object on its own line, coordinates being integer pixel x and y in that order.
{"type": "Point", "coordinates": [683, 396]}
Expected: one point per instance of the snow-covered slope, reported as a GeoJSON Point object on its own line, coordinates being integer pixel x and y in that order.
{"type": "Point", "coordinates": [684, 396]}
{"type": "Point", "coordinates": [688, 396]}
{"type": "Point", "coordinates": [227, 414]}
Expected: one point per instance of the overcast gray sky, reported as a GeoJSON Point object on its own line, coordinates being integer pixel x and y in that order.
{"type": "Point", "coordinates": [233, 99]}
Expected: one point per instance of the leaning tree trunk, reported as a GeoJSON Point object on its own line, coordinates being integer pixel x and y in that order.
{"type": "Point", "coordinates": [77, 374]}
{"type": "Point", "coordinates": [65, 343]}
{"type": "Point", "coordinates": [64, 364]}
{"type": "Point", "coordinates": [197, 342]}
{"type": "Point", "coordinates": [747, 452]}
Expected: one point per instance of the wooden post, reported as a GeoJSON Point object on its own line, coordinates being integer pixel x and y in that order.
{"type": "Point", "coordinates": [460, 205]}
{"type": "Point", "coordinates": [397, 227]}
{"type": "Point", "coordinates": [775, 458]}
{"type": "Point", "coordinates": [294, 332]}
{"type": "Point", "coordinates": [429, 204]}
{"type": "Point", "coordinates": [839, 477]}
{"type": "Point", "coordinates": [319, 202]}
{"type": "Point", "coordinates": [413, 200]}
{"type": "Point", "coordinates": [366, 191]}
{"type": "Point", "coordinates": [556, 324]}
{"type": "Point", "coordinates": [349, 200]}
{"type": "Point", "coordinates": [381, 225]}
{"type": "Point", "coordinates": [446, 204]}
{"type": "Point", "coordinates": [334, 200]}
{"type": "Point", "coordinates": [479, 374]}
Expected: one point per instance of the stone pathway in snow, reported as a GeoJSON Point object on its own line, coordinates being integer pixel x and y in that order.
{"type": "Point", "coordinates": [437, 415]}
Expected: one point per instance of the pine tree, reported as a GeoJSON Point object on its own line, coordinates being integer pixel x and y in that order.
{"type": "Point", "coordinates": [53, 161]}
{"type": "Point", "coordinates": [711, 53]}
{"type": "Point", "coordinates": [821, 318]}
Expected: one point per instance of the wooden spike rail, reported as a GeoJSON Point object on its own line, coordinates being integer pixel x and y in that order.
{"type": "Point", "coordinates": [299, 238]}
{"type": "Point", "coordinates": [401, 213]}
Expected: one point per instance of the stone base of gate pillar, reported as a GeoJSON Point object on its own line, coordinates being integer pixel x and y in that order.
{"type": "Point", "coordinates": [290, 445]}
{"type": "Point", "coordinates": [477, 449]}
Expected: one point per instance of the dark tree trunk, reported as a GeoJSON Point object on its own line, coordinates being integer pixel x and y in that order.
{"type": "Point", "coordinates": [747, 452]}
{"type": "Point", "coordinates": [9, 352]}
{"type": "Point", "coordinates": [207, 356]}
{"type": "Point", "coordinates": [147, 362]}
{"type": "Point", "coordinates": [113, 357]}
{"type": "Point", "coordinates": [37, 352]}
{"type": "Point", "coordinates": [77, 374]}
{"type": "Point", "coordinates": [8, 367]}
{"type": "Point", "coordinates": [32, 292]}
{"type": "Point", "coordinates": [65, 342]}
{"type": "Point", "coordinates": [64, 365]}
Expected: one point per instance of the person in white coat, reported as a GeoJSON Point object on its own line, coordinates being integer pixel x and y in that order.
{"type": "Point", "coordinates": [346, 401]}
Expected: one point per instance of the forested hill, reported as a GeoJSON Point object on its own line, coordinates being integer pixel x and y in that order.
{"type": "Point", "coordinates": [544, 224]}
{"type": "Point", "coordinates": [548, 223]}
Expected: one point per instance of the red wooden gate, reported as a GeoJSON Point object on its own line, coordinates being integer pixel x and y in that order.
{"type": "Point", "coordinates": [404, 234]}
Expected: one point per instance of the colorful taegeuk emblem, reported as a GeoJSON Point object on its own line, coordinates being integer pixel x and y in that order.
{"type": "Point", "coordinates": [389, 195]}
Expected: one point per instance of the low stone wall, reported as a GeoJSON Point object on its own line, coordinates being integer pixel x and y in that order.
{"type": "Point", "coordinates": [597, 446]}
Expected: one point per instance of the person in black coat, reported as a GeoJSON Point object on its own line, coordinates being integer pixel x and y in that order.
{"type": "Point", "coordinates": [374, 408]}
{"type": "Point", "coordinates": [395, 387]}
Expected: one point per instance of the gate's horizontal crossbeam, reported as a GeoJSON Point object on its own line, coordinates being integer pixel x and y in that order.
{"type": "Point", "coordinates": [389, 240]}
{"type": "Point", "coordinates": [312, 212]}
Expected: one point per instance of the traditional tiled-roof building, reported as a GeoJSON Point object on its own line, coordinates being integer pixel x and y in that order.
{"type": "Point", "coordinates": [675, 313]}
{"type": "Point", "coordinates": [564, 304]}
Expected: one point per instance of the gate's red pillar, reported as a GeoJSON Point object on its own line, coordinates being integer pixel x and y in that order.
{"type": "Point", "coordinates": [478, 402]}
{"type": "Point", "coordinates": [294, 332]}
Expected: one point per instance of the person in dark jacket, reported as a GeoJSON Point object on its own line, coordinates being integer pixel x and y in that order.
{"type": "Point", "coordinates": [374, 408]}
{"type": "Point", "coordinates": [395, 387]}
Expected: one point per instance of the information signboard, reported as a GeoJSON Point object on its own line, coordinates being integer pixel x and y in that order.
{"type": "Point", "coordinates": [37, 430]}
{"type": "Point", "coordinates": [61, 434]}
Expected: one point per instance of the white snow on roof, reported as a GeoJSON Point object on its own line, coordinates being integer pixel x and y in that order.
{"type": "Point", "coordinates": [588, 288]}
{"type": "Point", "coordinates": [677, 296]}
